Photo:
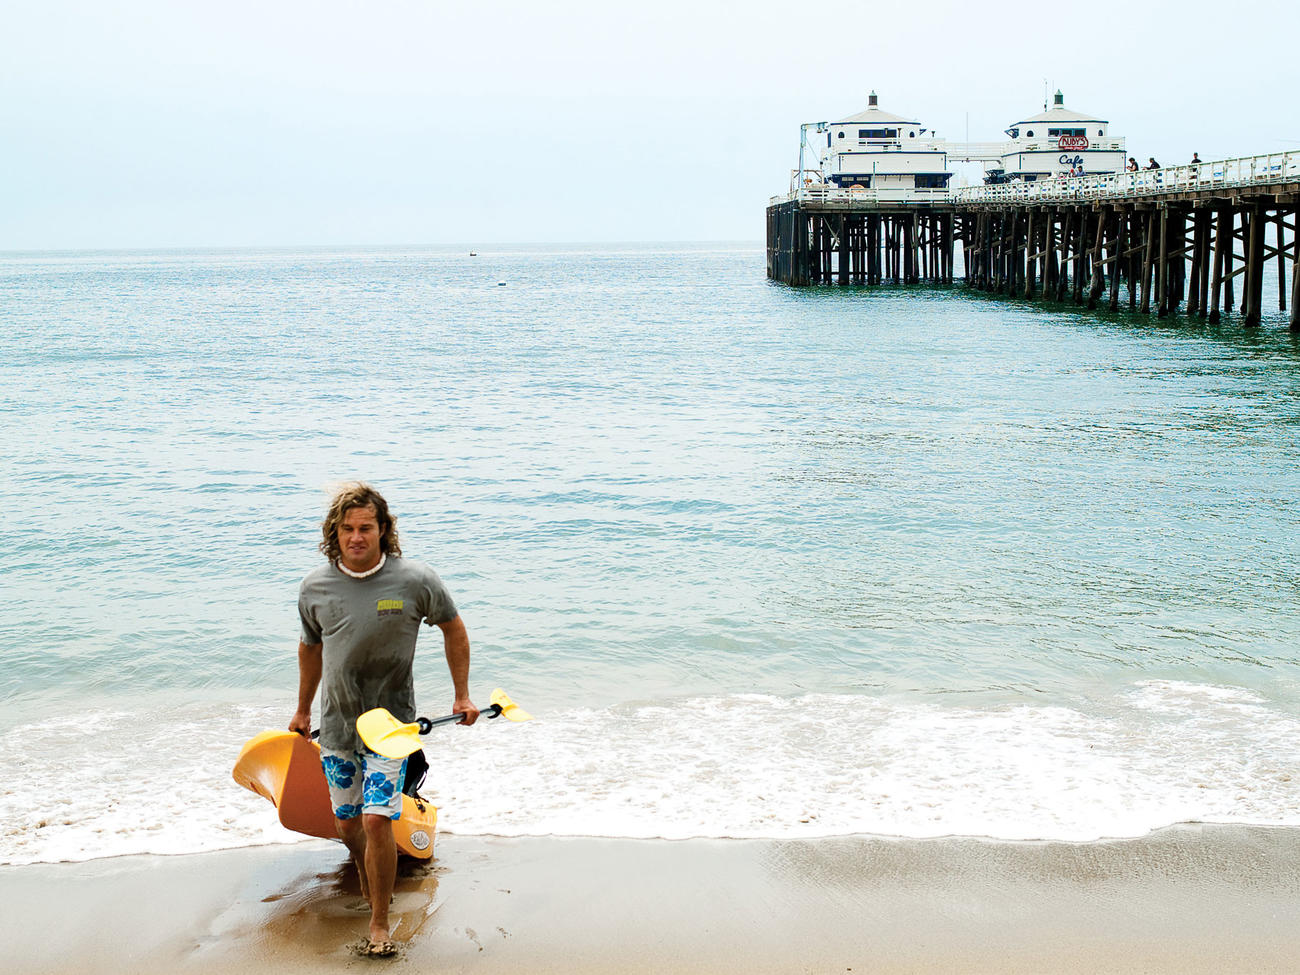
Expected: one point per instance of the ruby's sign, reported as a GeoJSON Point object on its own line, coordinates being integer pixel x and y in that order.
{"type": "Point", "coordinates": [1073, 142]}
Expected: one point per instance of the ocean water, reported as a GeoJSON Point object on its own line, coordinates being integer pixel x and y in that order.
{"type": "Point", "coordinates": [763, 562]}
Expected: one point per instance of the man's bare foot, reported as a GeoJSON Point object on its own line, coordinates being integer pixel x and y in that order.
{"type": "Point", "coordinates": [373, 949]}
{"type": "Point", "coordinates": [381, 949]}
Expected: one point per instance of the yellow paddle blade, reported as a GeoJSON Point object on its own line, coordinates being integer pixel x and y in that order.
{"type": "Point", "coordinates": [386, 735]}
{"type": "Point", "coordinates": [509, 709]}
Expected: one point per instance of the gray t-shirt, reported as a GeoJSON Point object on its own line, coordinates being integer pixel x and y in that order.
{"type": "Point", "coordinates": [368, 628]}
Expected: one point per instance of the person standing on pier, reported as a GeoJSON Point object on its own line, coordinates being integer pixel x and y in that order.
{"type": "Point", "coordinates": [1151, 163]}
{"type": "Point", "coordinates": [360, 615]}
{"type": "Point", "coordinates": [1132, 166]}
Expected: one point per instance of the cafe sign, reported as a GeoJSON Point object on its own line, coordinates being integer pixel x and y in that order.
{"type": "Point", "coordinates": [1073, 142]}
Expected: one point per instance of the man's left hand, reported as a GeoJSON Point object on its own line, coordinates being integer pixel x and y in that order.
{"type": "Point", "coordinates": [465, 706]}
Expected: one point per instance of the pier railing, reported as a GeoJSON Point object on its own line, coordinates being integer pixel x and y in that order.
{"type": "Point", "coordinates": [1220, 174]}
{"type": "Point", "coordinates": [1278, 167]}
{"type": "Point", "coordinates": [821, 193]}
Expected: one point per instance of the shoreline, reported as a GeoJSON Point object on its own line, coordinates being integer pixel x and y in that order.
{"type": "Point", "coordinates": [1188, 898]}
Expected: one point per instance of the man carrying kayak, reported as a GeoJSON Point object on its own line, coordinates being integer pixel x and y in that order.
{"type": "Point", "coordinates": [361, 616]}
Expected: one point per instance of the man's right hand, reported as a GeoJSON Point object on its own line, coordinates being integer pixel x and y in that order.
{"type": "Point", "coordinates": [309, 671]}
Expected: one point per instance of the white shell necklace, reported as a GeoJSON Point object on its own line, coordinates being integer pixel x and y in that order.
{"type": "Point", "coordinates": [383, 557]}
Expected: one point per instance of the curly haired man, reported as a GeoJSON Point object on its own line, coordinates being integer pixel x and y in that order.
{"type": "Point", "coordinates": [361, 614]}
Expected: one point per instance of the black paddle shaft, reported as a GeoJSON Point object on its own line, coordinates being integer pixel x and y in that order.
{"type": "Point", "coordinates": [427, 724]}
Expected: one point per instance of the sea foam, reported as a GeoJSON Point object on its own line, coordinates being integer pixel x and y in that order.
{"type": "Point", "coordinates": [1156, 753]}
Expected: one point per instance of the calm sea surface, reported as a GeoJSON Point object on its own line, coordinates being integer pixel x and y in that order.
{"type": "Point", "coordinates": [762, 561]}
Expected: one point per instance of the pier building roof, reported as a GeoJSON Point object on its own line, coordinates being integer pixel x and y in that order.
{"type": "Point", "coordinates": [873, 113]}
{"type": "Point", "coordinates": [876, 115]}
{"type": "Point", "coordinates": [1059, 113]}
{"type": "Point", "coordinates": [1062, 115]}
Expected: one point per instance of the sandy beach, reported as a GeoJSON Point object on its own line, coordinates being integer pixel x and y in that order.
{"type": "Point", "coordinates": [1185, 899]}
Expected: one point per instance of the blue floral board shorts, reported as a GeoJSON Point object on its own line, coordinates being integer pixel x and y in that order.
{"type": "Point", "coordinates": [363, 782]}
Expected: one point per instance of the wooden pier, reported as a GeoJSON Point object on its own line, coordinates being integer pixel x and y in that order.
{"type": "Point", "coordinates": [858, 243]}
{"type": "Point", "coordinates": [1192, 240]}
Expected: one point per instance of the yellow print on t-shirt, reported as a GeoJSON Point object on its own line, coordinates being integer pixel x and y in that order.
{"type": "Point", "coordinates": [390, 607]}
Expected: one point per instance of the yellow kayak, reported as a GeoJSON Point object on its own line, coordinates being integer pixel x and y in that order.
{"type": "Point", "coordinates": [285, 769]}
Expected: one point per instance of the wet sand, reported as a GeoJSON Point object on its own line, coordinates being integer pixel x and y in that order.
{"type": "Point", "coordinates": [1187, 899]}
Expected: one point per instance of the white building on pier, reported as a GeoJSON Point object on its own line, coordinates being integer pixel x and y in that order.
{"type": "Point", "coordinates": [879, 155]}
{"type": "Point", "coordinates": [1058, 142]}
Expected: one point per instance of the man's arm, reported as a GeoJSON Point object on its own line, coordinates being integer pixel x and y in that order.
{"type": "Point", "coordinates": [309, 671]}
{"type": "Point", "coordinates": [455, 642]}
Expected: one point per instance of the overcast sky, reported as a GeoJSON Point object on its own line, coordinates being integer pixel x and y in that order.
{"type": "Point", "coordinates": [158, 123]}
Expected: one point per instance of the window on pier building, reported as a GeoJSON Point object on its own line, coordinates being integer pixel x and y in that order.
{"type": "Point", "coordinates": [877, 133]}
{"type": "Point", "coordinates": [1059, 132]}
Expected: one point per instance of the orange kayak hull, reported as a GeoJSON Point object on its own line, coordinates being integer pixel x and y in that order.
{"type": "Point", "coordinates": [285, 769]}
